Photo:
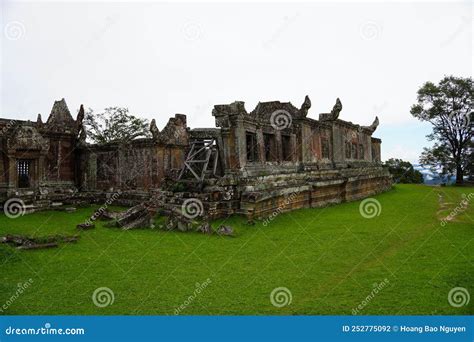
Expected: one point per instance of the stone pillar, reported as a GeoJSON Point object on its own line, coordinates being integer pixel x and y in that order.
{"type": "Point", "coordinates": [240, 144]}
{"type": "Point", "coordinates": [279, 146]}
{"type": "Point", "coordinates": [41, 174]}
{"type": "Point", "coordinates": [306, 140]}
{"type": "Point", "coordinates": [12, 173]}
{"type": "Point", "coordinates": [294, 151]}
{"type": "Point", "coordinates": [337, 144]}
{"type": "Point", "coordinates": [225, 149]}
{"type": "Point", "coordinates": [260, 146]}
{"type": "Point", "coordinates": [92, 171]}
{"type": "Point", "coordinates": [59, 162]}
{"type": "Point", "coordinates": [367, 148]}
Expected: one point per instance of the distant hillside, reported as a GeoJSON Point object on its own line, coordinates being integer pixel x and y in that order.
{"type": "Point", "coordinates": [431, 178]}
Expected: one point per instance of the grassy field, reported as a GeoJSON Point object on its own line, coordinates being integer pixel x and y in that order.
{"type": "Point", "coordinates": [329, 259]}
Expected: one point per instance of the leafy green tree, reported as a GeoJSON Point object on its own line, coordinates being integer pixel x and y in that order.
{"type": "Point", "coordinates": [438, 159]}
{"type": "Point", "coordinates": [448, 107]}
{"type": "Point", "coordinates": [403, 171]}
{"type": "Point", "coordinates": [115, 124]}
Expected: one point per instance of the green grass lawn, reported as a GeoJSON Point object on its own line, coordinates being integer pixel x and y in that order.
{"type": "Point", "coordinates": [329, 259]}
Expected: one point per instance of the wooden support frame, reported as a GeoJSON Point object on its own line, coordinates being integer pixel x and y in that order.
{"type": "Point", "coordinates": [209, 146]}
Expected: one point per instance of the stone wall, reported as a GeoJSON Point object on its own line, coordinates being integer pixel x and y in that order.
{"type": "Point", "coordinates": [273, 158]}
{"type": "Point", "coordinates": [44, 151]}
{"type": "Point", "coordinates": [140, 165]}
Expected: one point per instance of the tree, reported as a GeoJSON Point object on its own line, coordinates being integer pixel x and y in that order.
{"type": "Point", "coordinates": [403, 171]}
{"type": "Point", "coordinates": [470, 163]}
{"type": "Point", "coordinates": [438, 159]}
{"type": "Point", "coordinates": [115, 124]}
{"type": "Point", "coordinates": [448, 107]}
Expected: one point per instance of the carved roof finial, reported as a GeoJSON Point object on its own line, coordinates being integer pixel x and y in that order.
{"type": "Point", "coordinates": [305, 106]}
{"type": "Point", "coordinates": [373, 126]}
{"type": "Point", "coordinates": [334, 114]}
{"type": "Point", "coordinates": [155, 132]}
{"type": "Point", "coordinates": [80, 116]}
{"type": "Point", "coordinates": [336, 109]}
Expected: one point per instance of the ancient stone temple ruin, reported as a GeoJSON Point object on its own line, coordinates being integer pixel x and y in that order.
{"type": "Point", "coordinates": [275, 157]}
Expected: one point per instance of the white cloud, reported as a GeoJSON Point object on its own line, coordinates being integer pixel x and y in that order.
{"type": "Point", "coordinates": [159, 59]}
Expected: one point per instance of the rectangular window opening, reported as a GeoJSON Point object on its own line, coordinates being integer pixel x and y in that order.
{"type": "Point", "coordinates": [23, 173]}
{"type": "Point", "coordinates": [251, 142]}
{"type": "Point", "coordinates": [286, 147]}
{"type": "Point", "coordinates": [354, 151]}
{"type": "Point", "coordinates": [270, 147]}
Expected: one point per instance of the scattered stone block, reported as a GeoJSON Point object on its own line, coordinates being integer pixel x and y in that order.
{"type": "Point", "coordinates": [25, 242]}
{"type": "Point", "coordinates": [139, 216]}
{"type": "Point", "coordinates": [225, 231]}
{"type": "Point", "coordinates": [108, 215]}
{"type": "Point", "coordinates": [38, 246]}
{"type": "Point", "coordinates": [205, 228]}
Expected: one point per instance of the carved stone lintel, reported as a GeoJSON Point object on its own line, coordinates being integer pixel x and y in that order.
{"type": "Point", "coordinates": [27, 137]}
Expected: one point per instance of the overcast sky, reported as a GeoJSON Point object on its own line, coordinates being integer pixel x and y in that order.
{"type": "Point", "coordinates": [159, 59]}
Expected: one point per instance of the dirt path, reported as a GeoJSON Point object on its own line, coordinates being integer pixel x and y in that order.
{"type": "Point", "coordinates": [455, 209]}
